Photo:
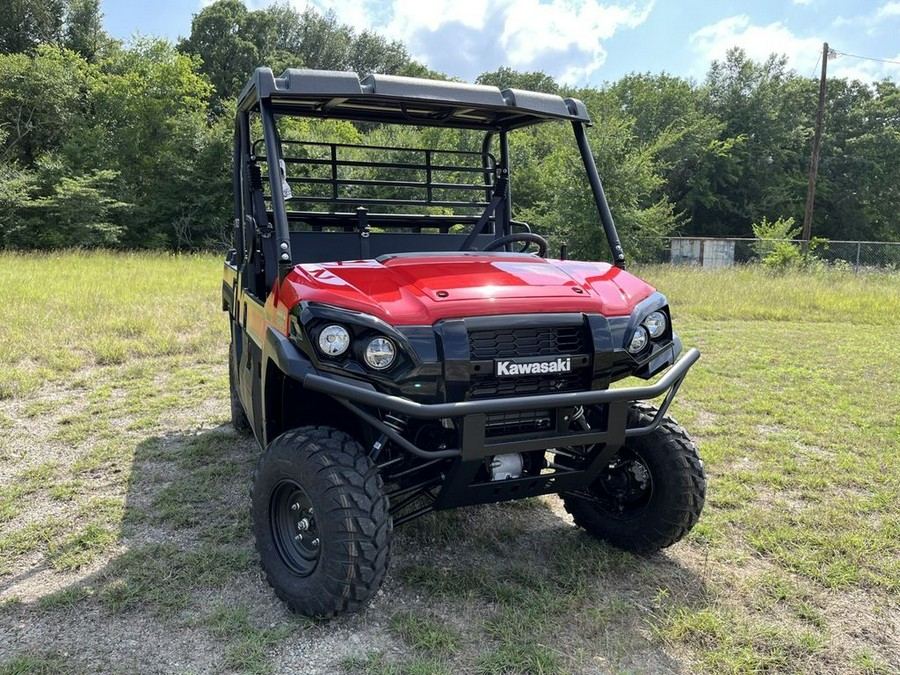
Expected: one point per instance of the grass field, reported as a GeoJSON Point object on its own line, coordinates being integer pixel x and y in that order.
{"type": "Point", "coordinates": [124, 533]}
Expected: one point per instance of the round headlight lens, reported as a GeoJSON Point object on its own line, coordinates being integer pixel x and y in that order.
{"type": "Point", "coordinates": [639, 340]}
{"type": "Point", "coordinates": [380, 353]}
{"type": "Point", "coordinates": [655, 324]}
{"type": "Point", "coordinates": [334, 340]}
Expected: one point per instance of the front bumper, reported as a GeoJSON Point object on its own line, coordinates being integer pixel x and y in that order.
{"type": "Point", "coordinates": [459, 486]}
{"type": "Point", "coordinates": [471, 414]}
{"type": "Point", "coordinates": [669, 382]}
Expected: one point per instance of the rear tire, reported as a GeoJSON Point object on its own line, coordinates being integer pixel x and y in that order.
{"type": "Point", "coordinates": [652, 493]}
{"type": "Point", "coordinates": [321, 521]}
{"type": "Point", "coordinates": [239, 419]}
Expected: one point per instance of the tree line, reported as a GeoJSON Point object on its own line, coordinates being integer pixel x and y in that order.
{"type": "Point", "coordinates": [129, 145]}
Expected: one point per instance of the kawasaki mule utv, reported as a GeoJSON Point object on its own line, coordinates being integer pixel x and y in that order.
{"type": "Point", "coordinates": [395, 349]}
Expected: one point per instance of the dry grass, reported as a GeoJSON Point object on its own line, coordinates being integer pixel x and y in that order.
{"type": "Point", "coordinates": [123, 500]}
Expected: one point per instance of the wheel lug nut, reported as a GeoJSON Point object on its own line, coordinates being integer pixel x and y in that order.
{"type": "Point", "coordinates": [296, 507]}
{"type": "Point", "coordinates": [315, 543]}
{"type": "Point", "coordinates": [303, 525]}
{"type": "Point", "coordinates": [299, 537]}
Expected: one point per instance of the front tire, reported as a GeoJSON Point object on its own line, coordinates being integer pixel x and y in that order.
{"type": "Point", "coordinates": [652, 493]}
{"type": "Point", "coordinates": [321, 521]}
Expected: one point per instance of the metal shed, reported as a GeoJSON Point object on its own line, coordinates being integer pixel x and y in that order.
{"type": "Point", "coordinates": [705, 252]}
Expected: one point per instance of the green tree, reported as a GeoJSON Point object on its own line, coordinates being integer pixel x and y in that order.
{"type": "Point", "coordinates": [149, 125]}
{"type": "Point", "coordinates": [508, 78]}
{"type": "Point", "coordinates": [282, 24]}
{"type": "Point", "coordinates": [669, 116]}
{"type": "Point", "coordinates": [550, 188]}
{"type": "Point", "coordinates": [84, 32]}
{"type": "Point", "coordinates": [228, 53]}
{"type": "Point", "coordinates": [327, 44]}
{"type": "Point", "coordinates": [371, 53]}
{"type": "Point", "coordinates": [774, 246]}
{"type": "Point", "coordinates": [16, 186]}
{"type": "Point", "coordinates": [26, 24]}
{"type": "Point", "coordinates": [79, 211]}
{"type": "Point", "coordinates": [231, 41]}
{"type": "Point", "coordinates": [41, 99]}
{"type": "Point", "coordinates": [766, 114]}
{"type": "Point", "coordinates": [858, 190]}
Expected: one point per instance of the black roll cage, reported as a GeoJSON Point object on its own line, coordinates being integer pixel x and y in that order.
{"type": "Point", "coordinates": [392, 100]}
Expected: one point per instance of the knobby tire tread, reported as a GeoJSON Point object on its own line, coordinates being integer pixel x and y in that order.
{"type": "Point", "coordinates": [683, 470]}
{"type": "Point", "coordinates": [356, 549]}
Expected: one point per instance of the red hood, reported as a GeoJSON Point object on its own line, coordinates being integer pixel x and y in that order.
{"type": "Point", "coordinates": [422, 290]}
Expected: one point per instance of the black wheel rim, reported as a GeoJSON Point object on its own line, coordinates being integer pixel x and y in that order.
{"type": "Point", "coordinates": [294, 529]}
{"type": "Point", "coordinates": [624, 489]}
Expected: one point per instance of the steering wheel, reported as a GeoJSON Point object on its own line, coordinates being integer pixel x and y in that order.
{"type": "Point", "coordinates": [527, 237]}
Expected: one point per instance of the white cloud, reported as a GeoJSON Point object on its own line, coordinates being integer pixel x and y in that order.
{"type": "Point", "coordinates": [397, 19]}
{"type": "Point", "coordinates": [888, 10]}
{"type": "Point", "coordinates": [802, 2]}
{"type": "Point", "coordinates": [535, 29]}
{"type": "Point", "coordinates": [410, 16]}
{"type": "Point", "coordinates": [864, 70]}
{"type": "Point", "coordinates": [562, 37]}
{"type": "Point", "coordinates": [873, 21]}
{"type": "Point", "coordinates": [713, 41]}
{"type": "Point", "coordinates": [841, 20]}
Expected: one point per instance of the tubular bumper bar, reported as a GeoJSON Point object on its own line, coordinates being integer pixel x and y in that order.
{"type": "Point", "coordinates": [672, 378]}
{"type": "Point", "coordinates": [349, 395]}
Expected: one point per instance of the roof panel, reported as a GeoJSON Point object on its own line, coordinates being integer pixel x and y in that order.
{"type": "Point", "coordinates": [335, 83]}
{"type": "Point", "coordinates": [549, 104]}
{"type": "Point", "coordinates": [434, 90]}
{"type": "Point", "coordinates": [406, 100]}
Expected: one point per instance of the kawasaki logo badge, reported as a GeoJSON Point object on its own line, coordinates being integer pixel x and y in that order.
{"type": "Point", "coordinates": [555, 364]}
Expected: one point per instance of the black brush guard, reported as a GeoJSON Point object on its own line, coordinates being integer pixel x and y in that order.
{"type": "Point", "coordinates": [587, 450]}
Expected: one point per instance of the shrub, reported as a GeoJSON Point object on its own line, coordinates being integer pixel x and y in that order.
{"type": "Point", "coordinates": [774, 246]}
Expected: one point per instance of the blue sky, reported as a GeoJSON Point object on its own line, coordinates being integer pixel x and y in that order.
{"type": "Point", "coordinates": [589, 41]}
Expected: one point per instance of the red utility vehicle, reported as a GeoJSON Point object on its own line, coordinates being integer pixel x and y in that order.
{"type": "Point", "coordinates": [395, 348]}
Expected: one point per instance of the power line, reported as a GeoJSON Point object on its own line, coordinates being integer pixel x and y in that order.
{"type": "Point", "coordinates": [816, 67]}
{"type": "Point", "coordinates": [866, 58]}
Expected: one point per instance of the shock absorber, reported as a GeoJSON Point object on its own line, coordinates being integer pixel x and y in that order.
{"type": "Point", "coordinates": [579, 418]}
{"type": "Point", "coordinates": [396, 423]}
{"type": "Point", "coordinates": [574, 454]}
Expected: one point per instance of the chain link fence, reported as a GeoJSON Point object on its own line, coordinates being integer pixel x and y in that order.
{"type": "Point", "coordinates": [722, 252]}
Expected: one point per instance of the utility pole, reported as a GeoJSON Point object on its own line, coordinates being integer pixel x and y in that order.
{"type": "Point", "coordinates": [814, 161]}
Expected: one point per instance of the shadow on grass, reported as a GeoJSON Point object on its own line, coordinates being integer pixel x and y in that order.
{"type": "Point", "coordinates": [186, 522]}
{"type": "Point", "coordinates": [493, 589]}
{"type": "Point", "coordinates": [184, 536]}
{"type": "Point", "coordinates": [538, 594]}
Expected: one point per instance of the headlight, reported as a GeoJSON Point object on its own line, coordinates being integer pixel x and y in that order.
{"type": "Point", "coordinates": [639, 340]}
{"type": "Point", "coordinates": [655, 324]}
{"type": "Point", "coordinates": [380, 353]}
{"type": "Point", "coordinates": [334, 340]}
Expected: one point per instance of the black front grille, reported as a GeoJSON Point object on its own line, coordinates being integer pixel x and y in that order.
{"type": "Point", "coordinates": [490, 386]}
{"type": "Point", "coordinates": [502, 424]}
{"type": "Point", "coordinates": [523, 342]}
